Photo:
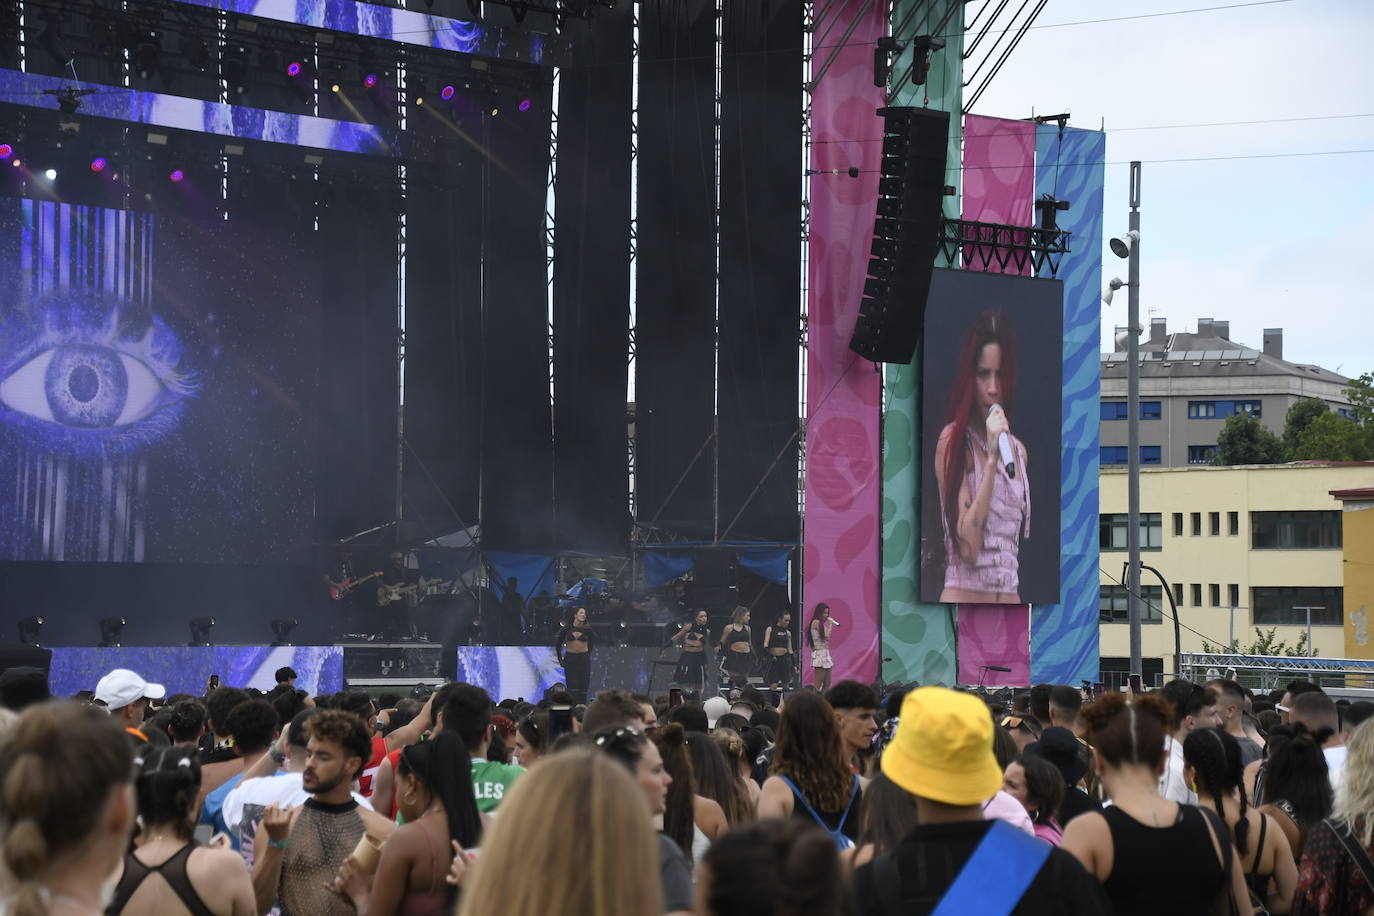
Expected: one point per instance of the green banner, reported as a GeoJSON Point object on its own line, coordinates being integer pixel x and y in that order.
{"type": "Point", "coordinates": [917, 638]}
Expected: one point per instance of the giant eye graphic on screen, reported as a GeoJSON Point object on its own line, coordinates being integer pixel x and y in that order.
{"type": "Point", "coordinates": [97, 388]}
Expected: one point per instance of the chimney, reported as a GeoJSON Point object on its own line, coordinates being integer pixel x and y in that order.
{"type": "Point", "coordinates": [1204, 328]}
{"type": "Point", "coordinates": [1222, 329]}
{"type": "Point", "coordinates": [1273, 342]}
{"type": "Point", "coordinates": [1159, 331]}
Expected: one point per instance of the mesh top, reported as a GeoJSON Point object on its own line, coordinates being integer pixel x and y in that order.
{"type": "Point", "coordinates": [321, 839]}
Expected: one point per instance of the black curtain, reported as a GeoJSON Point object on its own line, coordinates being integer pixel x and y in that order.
{"type": "Point", "coordinates": [516, 426]}
{"type": "Point", "coordinates": [675, 302]}
{"type": "Point", "coordinates": [591, 290]}
{"type": "Point", "coordinates": [760, 265]}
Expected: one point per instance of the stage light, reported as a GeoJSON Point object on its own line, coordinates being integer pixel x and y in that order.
{"type": "Point", "coordinates": [526, 104]}
{"type": "Point", "coordinates": [110, 630]}
{"type": "Point", "coordinates": [16, 163]}
{"type": "Point", "coordinates": [50, 174]}
{"type": "Point", "coordinates": [446, 93]}
{"type": "Point", "coordinates": [98, 164]}
{"type": "Point", "coordinates": [370, 80]}
{"type": "Point", "coordinates": [29, 630]}
{"type": "Point", "coordinates": [281, 628]}
{"type": "Point", "coordinates": [196, 52]}
{"type": "Point", "coordinates": [1111, 289]}
{"type": "Point", "coordinates": [1121, 247]}
{"type": "Point", "coordinates": [334, 88]}
{"type": "Point", "coordinates": [6, 151]}
{"type": "Point", "coordinates": [293, 68]}
{"type": "Point", "coordinates": [234, 68]}
{"type": "Point", "coordinates": [177, 176]}
{"type": "Point", "coordinates": [147, 54]}
{"type": "Point", "coordinates": [200, 631]}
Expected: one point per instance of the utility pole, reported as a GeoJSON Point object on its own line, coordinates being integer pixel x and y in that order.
{"type": "Point", "coordinates": [1310, 652]}
{"type": "Point", "coordinates": [1130, 249]}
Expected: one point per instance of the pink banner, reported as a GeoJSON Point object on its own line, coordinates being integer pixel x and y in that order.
{"type": "Point", "coordinates": [994, 634]}
{"type": "Point", "coordinates": [999, 187]}
{"type": "Point", "coordinates": [842, 390]}
{"type": "Point", "coordinates": [999, 183]}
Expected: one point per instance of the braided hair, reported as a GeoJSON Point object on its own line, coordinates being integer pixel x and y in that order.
{"type": "Point", "coordinates": [1215, 756]}
{"type": "Point", "coordinates": [58, 768]}
{"type": "Point", "coordinates": [167, 786]}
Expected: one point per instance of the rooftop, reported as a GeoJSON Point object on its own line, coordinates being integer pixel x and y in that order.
{"type": "Point", "coordinates": [1209, 352]}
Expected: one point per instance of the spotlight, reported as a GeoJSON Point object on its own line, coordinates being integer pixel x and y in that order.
{"type": "Point", "coordinates": [6, 151]}
{"type": "Point", "coordinates": [334, 88]}
{"type": "Point", "coordinates": [1111, 289]}
{"type": "Point", "coordinates": [196, 52]}
{"type": "Point", "coordinates": [1049, 207]}
{"type": "Point", "coordinates": [16, 163]}
{"type": "Point", "coordinates": [29, 629]}
{"type": "Point", "coordinates": [200, 631]}
{"type": "Point", "coordinates": [177, 176]}
{"type": "Point", "coordinates": [1122, 247]}
{"type": "Point", "coordinates": [293, 68]}
{"type": "Point", "coordinates": [98, 164]}
{"type": "Point", "coordinates": [234, 68]}
{"type": "Point", "coordinates": [147, 53]}
{"type": "Point", "coordinates": [446, 93]}
{"type": "Point", "coordinates": [110, 629]}
{"type": "Point", "coordinates": [370, 80]}
{"type": "Point", "coordinates": [281, 628]}
{"type": "Point", "coordinates": [526, 104]}
{"type": "Point", "coordinates": [50, 174]}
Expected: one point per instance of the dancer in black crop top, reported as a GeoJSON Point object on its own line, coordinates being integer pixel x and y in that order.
{"type": "Point", "coordinates": [737, 648]}
{"type": "Point", "coordinates": [691, 665]}
{"type": "Point", "coordinates": [777, 642]}
{"type": "Point", "coordinates": [574, 647]}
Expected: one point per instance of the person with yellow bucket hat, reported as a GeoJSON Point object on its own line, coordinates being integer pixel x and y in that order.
{"type": "Point", "coordinates": [955, 861]}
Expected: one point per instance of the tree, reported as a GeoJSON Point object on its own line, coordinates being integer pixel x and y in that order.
{"type": "Point", "coordinates": [1361, 395]}
{"type": "Point", "coordinates": [1300, 416]}
{"type": "Point", "coordinates": [1331, 437]}
{"type": "Point", "coordinates": [1266, 642]}
{"type": "Point", "coordinates": [1243, 440]}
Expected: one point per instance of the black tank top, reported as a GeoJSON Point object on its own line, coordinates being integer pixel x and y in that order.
{"type": "Point", "coordinates": [173, 871]}
{"type": "Point", "coordinates": [1172, 869]}
{"type": "Point", "coordinates": [778, 639]}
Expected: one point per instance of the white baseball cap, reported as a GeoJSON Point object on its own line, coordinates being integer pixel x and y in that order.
{"type": "Point", "coordinates": [121, 687]}
{"type": "Point", "coordinates": [715, 707]}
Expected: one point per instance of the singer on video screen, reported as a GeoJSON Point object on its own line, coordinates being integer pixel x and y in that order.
{"type": "Point", "coordinates": [981, 470]}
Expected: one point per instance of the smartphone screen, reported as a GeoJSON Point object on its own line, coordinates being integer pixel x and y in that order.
{"type": "Point", "coordinates": [675, 696]}
{"type": "Point", "coordinates": [560, 722]}
{"type": "Point", "coordinates": [214, 681]}
{"type": "Point", "coordinates": [1098, 689]}
{"type": "Point", "coordinates": [1135, 683]}
{"type": "Point", "coordinates": [201, 835]}
{"type": "Point", "coordinates": [776, 698]}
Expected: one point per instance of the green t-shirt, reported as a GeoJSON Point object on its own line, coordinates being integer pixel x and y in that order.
{"type": "Point", "coordinates": [491, 781]}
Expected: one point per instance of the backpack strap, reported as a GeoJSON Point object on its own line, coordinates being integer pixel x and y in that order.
{"type": "Point", "coordinates": [1352, 848]}
{"type": "Point", "coordinates": [994, 879]}
{"type": "Point", "coordinates": [853, 792]}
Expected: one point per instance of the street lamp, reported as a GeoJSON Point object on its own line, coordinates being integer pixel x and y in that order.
{"type": "Point", "coordinates": [1128, 246]}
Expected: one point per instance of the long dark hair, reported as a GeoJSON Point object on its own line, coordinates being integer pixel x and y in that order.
{"type": "Point", "coordinates": [889, 814]}
{"type": "Point", "coordinates": [679, 811]}
{"type": "Point", "coordinates": [167, 786]}
{"type": "Point", "coordinates": [444, 768]}
{"type": "Point", "coordinates": [809, 752]}
{"type": "Point", "coordinates": [989, 327]}
{"type": "Point", "coordinates": [718, 780]}
{"type": "Point", "coordinates": [815, 616]}
{"type": "Point", "coordinates": [1215, 755]}
{"type": "Point", "coordinates": [1044, 785]}
{"type": "Point", "coordinates": [1296, 772]}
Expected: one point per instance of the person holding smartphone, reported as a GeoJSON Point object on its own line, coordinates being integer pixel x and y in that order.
{"type": "Point", "coordinates": [693, 637]}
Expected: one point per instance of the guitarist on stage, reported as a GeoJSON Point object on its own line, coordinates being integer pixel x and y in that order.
{"type": "Point", "coordinates": [396, 576]}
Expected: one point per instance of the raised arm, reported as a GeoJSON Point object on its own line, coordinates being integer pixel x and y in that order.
{"type": "Point", "coordinates": [414, 729]}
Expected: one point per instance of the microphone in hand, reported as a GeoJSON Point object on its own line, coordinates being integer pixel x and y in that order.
{"type": "Point", "coordinates": [1004, 447]}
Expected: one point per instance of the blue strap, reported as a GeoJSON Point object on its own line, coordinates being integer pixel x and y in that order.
{"type": "Point", "coordinates": [853, 790]}
{"type": "Point", "coordinates": [995, 877]}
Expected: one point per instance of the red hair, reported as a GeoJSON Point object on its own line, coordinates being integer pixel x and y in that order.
{"type": "Point", "coordinates": [989, 327]}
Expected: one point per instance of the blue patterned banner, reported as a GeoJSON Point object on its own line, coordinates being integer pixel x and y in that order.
{"type": "Point", "coordinates": [1064, 636]}
{"type": "Point", "coordinates": [186, 669]}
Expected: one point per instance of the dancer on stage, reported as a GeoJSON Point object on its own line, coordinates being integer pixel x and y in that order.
{"type": "Point", "coordinates": [574, 647]}
{"type": "Point", "coordinates": [818, 637]}
{"type": "Point", "coordinates": [777, 639]}
{"type": "Point", "coordinates": [691, 665]}
{"type": "Point", "coordinates": [738, 662]}
{"type": "Point", "coordinates": [981, 468]}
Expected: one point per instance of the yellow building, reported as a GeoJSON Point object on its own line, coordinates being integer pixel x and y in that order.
{"type": "Point", "coordinates": [1244, 547]}
{"type": "Point", "coordinates": [1358, 547]}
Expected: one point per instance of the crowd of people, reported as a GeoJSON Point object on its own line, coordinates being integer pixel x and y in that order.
{"type": "Point", "coordinates": [1196, 798]}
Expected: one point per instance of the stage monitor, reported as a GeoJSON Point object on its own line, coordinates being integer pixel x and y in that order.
{"type": "Point", "coordinates": [991, 415]}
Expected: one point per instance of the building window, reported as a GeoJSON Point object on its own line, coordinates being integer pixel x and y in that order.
{"type": "Point", "coordinates": [1219, 410]}
{"type": "Point", "coordinates": [1233, 595]}
{"type": "Point", "coordinates": [1112, 527]}
{"type": "Point", "coordinates": [1275, 605]}
{"type": "Point", "coordinates": [1197, 594]}
{"type": "Point", "coordinates": [1214, 592]}
{"type": "Point", "coordinates": [1250, 407]}
{"type": "Point", "coordinates": [1197, 524]}
{"type": "Point", "coordinates": [1113, 607]}
{"type": "Point", "coordinates": [1113, 410]}
{"type": "Point", "coordinates": [1115, 454]}
{"type": "Point", "coordinates": [1178, 524]}
{"type": "Point", "coordinates": [1214, 522]}
{"type": "Point", "coordinates": [1319, 530]}
{"type": "Point", "coordinates": [1119, 410]}
{"type": "Point", "coordinates": [1202, 410]}
{"type": "Point", "coordinates": [1150, 454]}
{"type": "Point", "coordinates": [1233, 523]}
{"type": "Point", "coordinates": [1201, 454]}
{"type": "Point", "coordinates": [1178, 593]}
{"type": "Point", "coordinates": [1151, 410]}
{"type": "Point", "coordinates": [1345, 412]}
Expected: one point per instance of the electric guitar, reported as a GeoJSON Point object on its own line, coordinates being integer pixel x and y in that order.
{"type": "Point", "coordinates": [340, 590]}
{"type": "Point", "coordinates": [389, 594]}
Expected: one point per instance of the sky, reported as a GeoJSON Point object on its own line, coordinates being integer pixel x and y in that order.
{"type": "Point", "coordinates": [1262, 242]}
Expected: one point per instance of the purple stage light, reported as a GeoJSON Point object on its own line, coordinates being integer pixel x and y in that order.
{"type": "Point", "coordinates": [98, 164]}
{"type": "Point", "coordinates": [446, 93]}
{"type": "Point", "coordinates": [526, 104]}
{"type": "Point", "coordinates": [293, 69]}
{"type": "Point", "coordinates": [6, 150]}
{"type": "Point", "coordinates": [370, 80]}
{"type": "Point", "coordinates": [177, 175]}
